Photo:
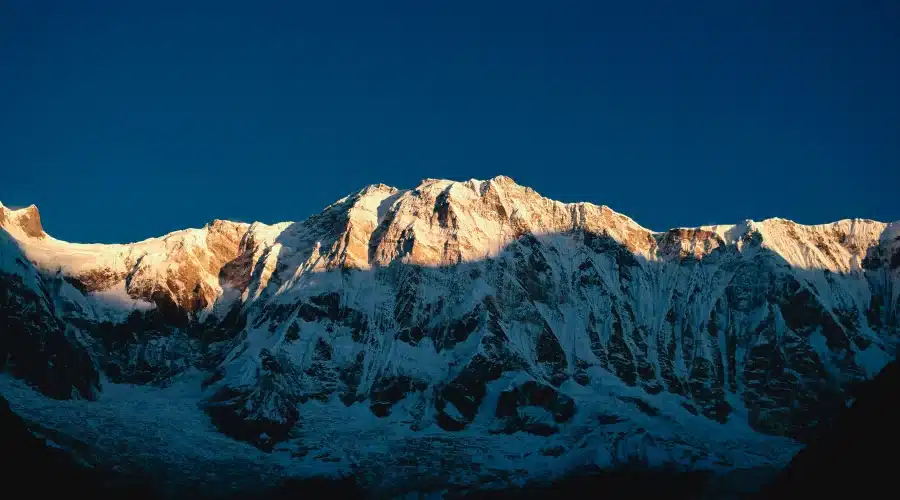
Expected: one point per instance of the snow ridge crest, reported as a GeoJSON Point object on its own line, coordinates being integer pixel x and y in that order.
{"type": "Point", "coordinates": [442, 222]}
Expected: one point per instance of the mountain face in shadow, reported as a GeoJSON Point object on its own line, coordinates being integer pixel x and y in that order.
{"type": "Point", "coordinates": [454, 333]}
{"type": "Point", "coordinates": [854, 452]}
{"type": "Point", "coordinates": [43, 469]}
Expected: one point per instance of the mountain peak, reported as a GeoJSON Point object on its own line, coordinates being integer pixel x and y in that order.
{"type": "Point", "coordinates": [502, 179]}
{"type": "Point", "coordinates": [25, 221]}
{"type": "Point", "coordinates": [499, 180]}
{"type": "Point", "coordinates": [378, 188]}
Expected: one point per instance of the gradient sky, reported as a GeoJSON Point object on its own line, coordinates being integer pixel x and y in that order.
{"type": "Point", "coordinates": [126, 120]}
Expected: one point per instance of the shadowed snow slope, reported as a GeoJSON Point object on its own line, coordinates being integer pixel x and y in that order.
{"type": "Point", "coordinates": [850, 454]}
{"type": "Point", "coordinates": [454, 332]}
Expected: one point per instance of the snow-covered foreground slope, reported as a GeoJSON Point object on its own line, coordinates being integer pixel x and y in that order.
{"type": "Point", "coordinates": [457, 331]}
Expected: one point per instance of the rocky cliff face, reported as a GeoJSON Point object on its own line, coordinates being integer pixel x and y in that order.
{"type": "Point", "coordinates": [471, 310]}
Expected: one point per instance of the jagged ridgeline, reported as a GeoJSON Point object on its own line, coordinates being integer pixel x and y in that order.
{"type": "Point", "coordinates": [508, 331]}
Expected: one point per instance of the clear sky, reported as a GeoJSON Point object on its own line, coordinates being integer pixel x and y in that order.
{"type": "Point", "coordinates": [126, 120]}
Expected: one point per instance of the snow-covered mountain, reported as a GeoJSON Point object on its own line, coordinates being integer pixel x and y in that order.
{"type": "Point", "coordinates": [457, 332]}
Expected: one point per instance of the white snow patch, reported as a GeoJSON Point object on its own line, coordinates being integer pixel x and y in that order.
{"type": "Point", "coordinates": [115, 303]}
{"type": "Point", "coordinates": [872, 360]}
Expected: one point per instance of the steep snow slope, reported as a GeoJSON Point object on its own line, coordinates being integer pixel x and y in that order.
{"type": "Point", "coordinates": [35, 343]}
{"type": "Point", "coordinates": [481, 315]}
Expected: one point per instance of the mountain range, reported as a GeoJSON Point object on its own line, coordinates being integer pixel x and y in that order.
{"type": "Point", "coordinates": [456, 335]}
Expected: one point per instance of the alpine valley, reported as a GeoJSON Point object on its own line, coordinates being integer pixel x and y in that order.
{"type": "Point", "coordinates": [451, 337]}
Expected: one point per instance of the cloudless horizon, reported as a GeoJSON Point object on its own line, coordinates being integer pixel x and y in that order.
{"type": "Point", "coordinates": [127, 120]}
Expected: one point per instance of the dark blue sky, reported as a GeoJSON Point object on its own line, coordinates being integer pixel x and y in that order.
{"type": "Point", "coordinates": [125, 120]}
